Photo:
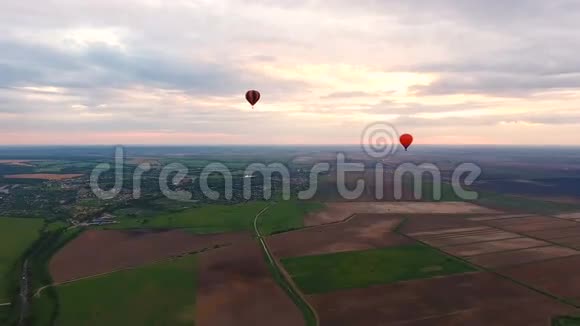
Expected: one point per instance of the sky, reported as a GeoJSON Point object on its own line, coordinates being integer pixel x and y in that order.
{"type": "Point", "coordinates": [175, 72]}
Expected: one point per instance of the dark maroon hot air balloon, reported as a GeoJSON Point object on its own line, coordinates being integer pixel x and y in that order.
{"type": "Point", "coordinates": [253, 97]}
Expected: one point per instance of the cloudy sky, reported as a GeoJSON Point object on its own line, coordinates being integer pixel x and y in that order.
{"type": "Point", "coordinates": [175, 72]}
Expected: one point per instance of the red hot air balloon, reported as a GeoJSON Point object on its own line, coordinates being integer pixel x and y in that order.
{"type": "Point", "coordinates": [406, 140]}
{"type": "Point", "coordinates": [253, 97]}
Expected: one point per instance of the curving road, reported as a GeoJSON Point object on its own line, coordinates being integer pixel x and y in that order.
{"type": "Point", "coordinates": [290, 285]}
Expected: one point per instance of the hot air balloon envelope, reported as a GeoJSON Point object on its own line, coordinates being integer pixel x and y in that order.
{"type": "Point", "coordinates": [406, 140]}
{"type": "Point", "coordinates": [253, 97]}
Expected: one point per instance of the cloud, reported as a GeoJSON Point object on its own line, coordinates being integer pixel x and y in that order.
{"type": "Point", "coordinates": [325, 69]}
{"type": "Point", "coordinates": [101, 65]}
{"type": "Point", "coordinates": [347, 94]}
{"type": "Point", "coordinates": [499, 84]}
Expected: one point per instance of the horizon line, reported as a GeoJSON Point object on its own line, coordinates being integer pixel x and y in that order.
{"type": "Point", "coordinates": [278, 145]}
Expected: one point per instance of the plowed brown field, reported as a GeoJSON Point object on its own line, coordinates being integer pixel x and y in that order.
{"type": "Point", "coordinates": [363, 231]}
{"type": "Point", "coordinates": [101, 251]}
{"type": "Point", "coordinates": [467, 299]}
{"type": "Point", "coordinates": [523, 256]}
{"type": "Point", "coordinates": [336, 212]}
{"type": "Point", "coordinates": [235, 287]}
{"type": "Point", "coordinates": [557, 276]}
{"type": "Point", "coordinates": [487, 247]}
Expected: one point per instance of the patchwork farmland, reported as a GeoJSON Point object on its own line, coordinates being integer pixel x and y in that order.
{"type": "Point", "coordinates": [497, 253]}
{"type": "Point", "coordinates": [351, 263]}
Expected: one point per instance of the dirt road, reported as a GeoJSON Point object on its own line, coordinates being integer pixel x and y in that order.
{"type": "Point", "coordinates": [289, 285]}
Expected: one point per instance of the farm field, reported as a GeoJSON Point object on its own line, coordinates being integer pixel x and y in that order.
{"type": "Point", "coordinates": [211, 218]}
{"type": "Point", "coordinates": [16, 162]}
{"type": "Point", "coordinates": [458, 236]}
{"type": "Point", "coordinates": [286, 215]}
{"type": "Point", "coordinates": [17, 235]}
{"type": "Point", "coordinates": [575, 216]}
{"type": "Point", "coordinates": [236, 287]}
{"type": "Point", "coordinates": [532, 223]}
{"type": "Point", "coordinates": [336, 212]}
{"type": "Point", "coordinates": [158, 294]}
{"type": "Point", "coordinates": [204, 219]}
{"type": "Point", "coordinates": [362, 231]}
{"type": "Point", "coordinates": [433, 222]}
{"type": "Point", "coordinates": [43, 176]}
{"type": "Point", "coordinates": [96, 252]}
{"type": "Point", "coordinates": [466, 299]}
{"type": "Point", "coordinates": [493, 247]}
{"type": "Point", "coordinates": [553, 276]}
{"type": "Point", "coordinates": [522, 256]}
{"type": "Point", "coordinates": [359, 269]}
{"type": "Point", "coordinates": [488, 247]}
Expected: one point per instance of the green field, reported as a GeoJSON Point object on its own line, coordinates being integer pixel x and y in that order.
{"type": "Point", "coordinates": [17, 235]}
{"type": "Point", "coordinates": [204, 219]}
{"type": "Point", "coordinates": [286, 215]}
{"type": "Point", "coordinates": [282, 216]}
{"type": "Point", "coordinates": [359, 269]}
{"type": "Point", "coordinates": [158, 294]}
